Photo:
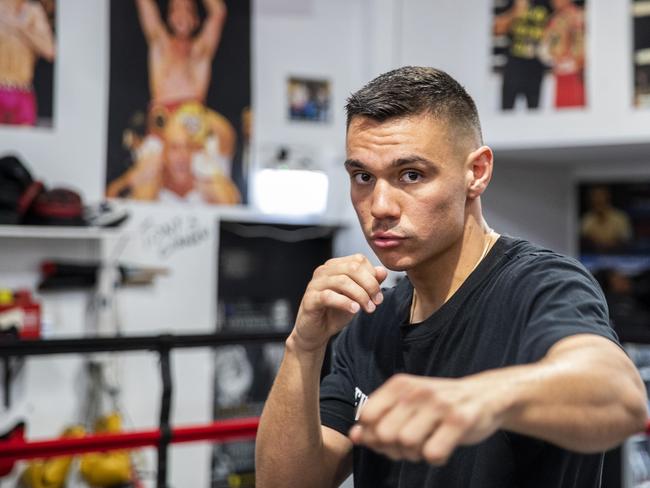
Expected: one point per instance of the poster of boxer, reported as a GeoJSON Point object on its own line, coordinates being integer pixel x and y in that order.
{"type": "Point", "coordinates": [27, 54]}
{"type": "Point", "coordinates": [179, 103]}
{"type": "Point", "coordinates": [614, 244]}
{"type": "Point", "coordinates": [641, 22]}
{"type": "Point", "coordinates": [539, 53]}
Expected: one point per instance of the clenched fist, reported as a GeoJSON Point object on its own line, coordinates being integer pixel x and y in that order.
{"type": "Point", "coordinates": [338, 289]}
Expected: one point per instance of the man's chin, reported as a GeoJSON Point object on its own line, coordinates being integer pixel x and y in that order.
{"type": "Point", "coordinates": [394, 263]}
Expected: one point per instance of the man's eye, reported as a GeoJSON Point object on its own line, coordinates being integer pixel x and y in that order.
{"type": "Point", "coordinates": [411, 176]}
{"type": "Point", "coordinates": [362, 178]}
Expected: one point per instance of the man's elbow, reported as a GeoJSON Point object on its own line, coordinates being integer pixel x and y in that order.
{"type": "Point", "coordinates": [637, 409]}
{"type": "Point", "coordinates": [49, 53]}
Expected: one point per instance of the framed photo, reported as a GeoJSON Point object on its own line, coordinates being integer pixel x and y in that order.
{"type": "Point", "coordinates": [614, 244]}
{"type": "Point", "coordinates": [308, 99]}
{"type": "Point", "coordinates": [179, 104]}
{"type": "Point", "coordinates": [537, 44]}
{"type": "Point", "coordinates": [641, 54]}
{"type": "Point", "coordinates": [27, 56]}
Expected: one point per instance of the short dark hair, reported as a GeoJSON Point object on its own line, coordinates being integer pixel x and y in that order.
{"type": "Point", "coordinates": [415, 90]}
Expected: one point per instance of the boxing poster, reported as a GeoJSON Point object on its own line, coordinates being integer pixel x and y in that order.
{"type": "Point", "coordinates": [614, 244]}
{"type": "Point", "coordinates": [180, 119]}
{"type": "Point", "coordinates": [27, 56]}
{"type": "Point", "coordinates": [641, 55]}
{"type": "Point", "coordinates": [539, 54]}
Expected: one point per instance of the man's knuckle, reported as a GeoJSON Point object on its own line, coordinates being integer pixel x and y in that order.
{"type": "Point", "coordinates": [354, 266]}
{"type": "Point", "coordinates": [408, 440]}
{"type": "Point", "coordinates": [385, 435]}
{"type": "Point", "coordinates": [460, 419]}
{"type": "Point", "coordinates": [400, 380]}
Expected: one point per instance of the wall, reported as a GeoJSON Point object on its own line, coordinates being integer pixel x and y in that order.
{"type": "Point", "coordinates": [316, 39]}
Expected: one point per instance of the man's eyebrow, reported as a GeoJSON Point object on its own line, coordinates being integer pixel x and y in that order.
{"type": "Point", "coordinates": [353, 164]}
{"type": "Point", "coordinates": [411, 160]}
{"type": "Point", "coordinates": [396, 163]}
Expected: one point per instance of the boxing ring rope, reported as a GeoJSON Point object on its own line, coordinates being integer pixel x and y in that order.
{"type": "Point", "coordinates": [164, 435]}
{"type": "Point", "coordinates": [227, 430]}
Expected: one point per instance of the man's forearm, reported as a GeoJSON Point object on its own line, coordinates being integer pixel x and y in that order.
{"type": "Point", "coordinates": [578, 400]}
{"type": "Point", "coordinates": [150, 20]}
{"type": "Point", "coordinates": [289, 448]}
{"type": "Point", "coordinates": [215, 8]}
{"type": "Point", "coordinates": [41, 42]}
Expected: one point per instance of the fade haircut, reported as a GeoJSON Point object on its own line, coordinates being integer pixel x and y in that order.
{"type": "Point", "coordinates": [412, 91]}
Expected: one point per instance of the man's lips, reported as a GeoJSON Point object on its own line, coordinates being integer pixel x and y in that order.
{"type": "Point", "coordinates": [386, 240]}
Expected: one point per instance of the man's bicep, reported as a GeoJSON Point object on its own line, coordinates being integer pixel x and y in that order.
{"type": "Point", "coordinates": [338, 454]}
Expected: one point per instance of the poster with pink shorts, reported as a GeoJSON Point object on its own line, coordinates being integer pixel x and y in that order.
{"type": "Point", "coordinates": [27, 56]}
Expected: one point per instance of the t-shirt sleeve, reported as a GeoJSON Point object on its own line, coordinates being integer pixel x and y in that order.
{"type": "Point", "coordinates": [559, 298]}
{"type": "Point", "coordinates": [337, 388]}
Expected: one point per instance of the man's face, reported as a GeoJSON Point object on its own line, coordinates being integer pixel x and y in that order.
{"type": "Point", "coordinates": [178, 159]}
{"type": "Point", "coordinates": [599, 199]}
{"type": "Point", "coordinates": [409, 183]}
{"type": "Point", "coordinates": [182, 17]}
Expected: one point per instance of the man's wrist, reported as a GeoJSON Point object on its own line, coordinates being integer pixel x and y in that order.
{"type": "Point", "coordinates": [296, 345]}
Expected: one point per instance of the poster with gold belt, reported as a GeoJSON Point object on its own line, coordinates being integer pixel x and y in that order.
{"type": "Point", "coordinates": [539, 54]}
{"type": "Point", "coordinates": [179, 102]}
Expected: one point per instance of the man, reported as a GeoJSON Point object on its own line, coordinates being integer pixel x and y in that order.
{"type": "Point", "coordinates": [523, 72]}
{"type": "Point", "coordinates": [563, 48]}
{"type": "Point", "coordinates": [603, 227]}
{"type": "Point", "coordinates": [492, 366]}
{"type": "Point", "coordinates": [25, 35]}
{"type": "Point", "coordinates": [186, 166]}
{"type": "Point", "coordinates": [180, 64]}
{"type": "Point", "coordinates": [180, 67]}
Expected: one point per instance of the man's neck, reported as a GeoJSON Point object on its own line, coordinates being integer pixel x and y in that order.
{"type": "Point", "coordinates": [436, 281]}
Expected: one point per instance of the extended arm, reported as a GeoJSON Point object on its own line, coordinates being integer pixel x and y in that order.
{"type": "Point", "coordinates": [292, 448]}
{"type": "Point", "coordinates": [150, 20]}
{"type": "Point", "coordinates": [210, 35]}
{"type": "Point", "coordinates": [585, 395]}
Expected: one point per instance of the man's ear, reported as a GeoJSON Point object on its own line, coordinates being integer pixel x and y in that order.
{"type": "Point", "coordinates": [479, 171]}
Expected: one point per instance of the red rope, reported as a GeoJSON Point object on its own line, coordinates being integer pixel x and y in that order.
{"type": "Point", "coordinates": [227, 430]}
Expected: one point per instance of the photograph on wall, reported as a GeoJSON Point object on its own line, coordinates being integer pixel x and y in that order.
{"type": "Point", "coordinates": [538, 54]}
{"type": "Point", "coordinates": [641, 23]}
{"type": "Point", "coordinates": [180, 118]}
{"type": "Point", "coordinates": [27, 56]}
{"type": "Point", "coordinates": [309, 99]}
{"type": "Point", "coordinates": [614, 244]}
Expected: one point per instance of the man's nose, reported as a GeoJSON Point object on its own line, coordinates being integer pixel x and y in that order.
{"type": "Point", "coordinates": [385, 201]}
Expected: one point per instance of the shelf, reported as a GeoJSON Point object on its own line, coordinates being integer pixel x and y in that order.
{"type": "Point", "coordinates": [56, 232]}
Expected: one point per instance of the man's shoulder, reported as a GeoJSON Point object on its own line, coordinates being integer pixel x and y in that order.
{"type": "Point", "coordinates": [526, 259]}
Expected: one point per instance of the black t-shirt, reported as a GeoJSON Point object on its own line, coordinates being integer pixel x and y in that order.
{"type": "Point", "coordinates": [514, 306]}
